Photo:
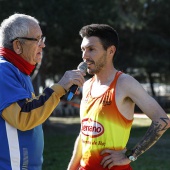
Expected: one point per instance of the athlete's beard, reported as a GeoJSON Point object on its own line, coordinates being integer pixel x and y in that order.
{"type": "Point", "coordinates": [99, 64]}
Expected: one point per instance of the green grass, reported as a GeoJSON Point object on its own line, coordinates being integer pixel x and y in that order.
{"type": "Point", "coordinates": [58, 150]}
{"type": "Point", "coordinates": [59, 143]}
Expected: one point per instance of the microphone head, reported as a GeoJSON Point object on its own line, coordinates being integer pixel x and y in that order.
{"type": "Point", "coordinates": [82, 67]}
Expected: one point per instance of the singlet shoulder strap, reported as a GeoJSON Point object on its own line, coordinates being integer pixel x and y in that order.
{"type": "Point", "coordinates": [113, 84]}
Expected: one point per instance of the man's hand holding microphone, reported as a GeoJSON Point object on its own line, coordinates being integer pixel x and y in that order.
{"type": "Point", "coordinates": [73, 79]}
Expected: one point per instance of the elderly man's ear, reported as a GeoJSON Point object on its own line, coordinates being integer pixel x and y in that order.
{"type": "Point", "coordinates": [17, 47]}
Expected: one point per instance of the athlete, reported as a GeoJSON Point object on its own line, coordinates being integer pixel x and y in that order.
{"type": "Point", "coordinates": [107, 108]}
{"type": "Point", "coordinates": [21, 112]}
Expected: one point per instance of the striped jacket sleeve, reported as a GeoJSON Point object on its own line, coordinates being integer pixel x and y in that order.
{"type": "Point", "coordinates": [28, 113]}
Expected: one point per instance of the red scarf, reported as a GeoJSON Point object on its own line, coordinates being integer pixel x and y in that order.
{"type": "Point", "coordinates": [17, 61]}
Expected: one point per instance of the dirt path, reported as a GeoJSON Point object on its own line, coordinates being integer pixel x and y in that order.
{"type": "Point", "coordinates": [62, 125]}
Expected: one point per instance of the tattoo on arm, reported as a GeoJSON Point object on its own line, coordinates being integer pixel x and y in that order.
{"type": "Point", "coordinates": [154, 132]}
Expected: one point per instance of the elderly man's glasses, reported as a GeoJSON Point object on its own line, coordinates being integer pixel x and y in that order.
{"type": "Point", "coordinates": [39, 41]}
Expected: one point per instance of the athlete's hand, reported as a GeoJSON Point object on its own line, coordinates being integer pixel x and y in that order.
{"type": "Point", "coordinates": [114, 158]}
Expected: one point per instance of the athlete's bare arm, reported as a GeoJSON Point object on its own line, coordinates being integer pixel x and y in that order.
{"type": "Point", "coordinates": [76, 156]}
{"type": "Point", "coordinates": [130, 91]}
{"type": "Point", "coordinates": [160, 120]}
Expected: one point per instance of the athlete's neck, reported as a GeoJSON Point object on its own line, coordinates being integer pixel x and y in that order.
{"type": "Point", "coordinates": [105, 78]}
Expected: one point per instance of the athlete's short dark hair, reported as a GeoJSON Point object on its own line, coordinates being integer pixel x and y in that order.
{"type": "Point", "coordinates": [107, 35]}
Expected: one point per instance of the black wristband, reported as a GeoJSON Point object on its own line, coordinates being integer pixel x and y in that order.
{"type": "Point", "coordinates": [128, 153]}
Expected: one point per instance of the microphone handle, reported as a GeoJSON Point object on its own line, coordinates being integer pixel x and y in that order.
{"type": "Point", "coordinates": [72, 91]}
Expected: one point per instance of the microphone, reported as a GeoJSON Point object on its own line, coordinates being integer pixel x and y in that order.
{"type": "Point", "coordinates": [83, 68]}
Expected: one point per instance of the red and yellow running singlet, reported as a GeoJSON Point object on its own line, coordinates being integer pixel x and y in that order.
{"type": "Point", "coordinates": [102, 126]}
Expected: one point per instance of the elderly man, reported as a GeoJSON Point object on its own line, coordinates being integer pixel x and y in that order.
{"type": "Point", "coordinates": [22, 113]}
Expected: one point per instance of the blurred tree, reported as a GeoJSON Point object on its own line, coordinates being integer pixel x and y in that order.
{"type": "Point", "coordinates": [143, 28]}
{"type": "Point", "coordinates": [144, 32]}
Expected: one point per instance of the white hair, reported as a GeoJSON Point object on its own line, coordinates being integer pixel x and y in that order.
{"type": "Point", "coordinates": [17, 25]}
